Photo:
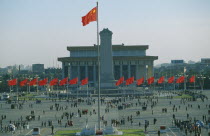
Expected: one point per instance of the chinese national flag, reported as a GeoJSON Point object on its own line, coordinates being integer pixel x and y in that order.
{"type": "Point", "coordinates": [192, 79]}
{"type": "Point", "coordinates": [33, 82]}
{"type": "Point", "coordinates": [171, 79]}
{"type": "Point", "coordinates": [12, 82]}
{"type": "Point", "coordinates": [63, 81]}
{"type": "Point", "coordinates": [54, 82]}
{"type": "Point", "coordinates": [140, 81]}
{"type": "Point", "coordinates": [90, 17]}
{"type": "Point", "coordinates": [150, 80]}
{"type": "Point", "coordinates": [73, 81]}
{"type": "Point", "coordinates": [120, 81]}
{"type": "Point", "coordinates": [43, 82]}
{"type": "Point", "coordinates": [129, 81]}
{"type": "Point", "coordinates": [24, 82]}
{"type": "Point", "coordinates": [84, 81]}
{"type": "Point", "coordinates": [161, 80]}
{"type": "Point", "coordinates": [180, 80]}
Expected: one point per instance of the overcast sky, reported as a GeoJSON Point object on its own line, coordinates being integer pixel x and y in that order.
{"type": "Point", "coordinates": [38, 31]}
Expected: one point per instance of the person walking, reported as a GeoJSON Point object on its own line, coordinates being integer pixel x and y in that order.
{"type": "Point", "coordinates": [158, 132]}
{"type": "Point", "coordinates": [52, 127]}
{"type": "Point", "coordinates": [155, 121]}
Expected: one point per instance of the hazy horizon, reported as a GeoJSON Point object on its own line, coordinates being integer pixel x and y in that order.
{"type": "Point", "coordinates": [38, 31]}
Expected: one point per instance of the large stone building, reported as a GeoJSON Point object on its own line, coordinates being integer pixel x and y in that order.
{"type": "Point", "coordinates": [124, 60]}
{"type": "Point", "coordinates": [38, 68]}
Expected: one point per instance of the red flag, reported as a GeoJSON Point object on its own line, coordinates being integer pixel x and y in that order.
{"type": "Point", "coordinates": [89, 17]}
{"type": "Point", "coordinates": [33, 82]}
{"type": "Point", "coordinates": [54, 82]}
{"type": "Point", "coordinates": [12, 82]}
{"type": "Point", "coordinates": [140, 81]}
{"type": "Point", "coordinates": [192, 79]}
{"type": "Point", "coordinates": [150, 80]}
{"type": "Point", "coordinates": [73, 81]}
{"type": "Point", "coordinates": [120, 81]}
{"type": "Point", "coordinates": [171, 79]}
{"type": "Point", "coordinates": [129, 81]}
{"type": "Point", "coordinates": [64, 81]}
{"type": "Point", "coordinates": [43, 82]}
{"type": "Point", "coordinates": [180, 80]}
{"type": "Point", "coordinates": [24, 82]}
{"type": "Point", "coordinates": [161, 80]}
{"type": "Point", "coordinates": [84, 81]}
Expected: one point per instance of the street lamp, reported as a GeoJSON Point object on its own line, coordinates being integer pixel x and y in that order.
{"type": "Point", "coordinates": [37, 83]}
{"type": "Point", "coordinates": [202, 78]}
{"type": "Point", "coordinates": [185, 82]}
{"type": "Point", "coordinates": [146, 78]}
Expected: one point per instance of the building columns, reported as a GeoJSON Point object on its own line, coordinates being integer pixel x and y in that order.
{"type": "Point", "coordinates": [69, 70]}
{"type": "Point", "coordinates": [78, 72]}
{"type": "Point", "coordinates": [140, 71]}
{"type": "Point", "coordinates": [63, 65]}
{"type": "Point", "coordinates": [150, 72]}
{"type": "Point", "coordinates": [121, 70]}
{"type": "Point", "coordinates": [94, 73]}
{"type": "Point", "coordinates": [86, 71]}
{"type": "Point", "coordinates": [129, 70]}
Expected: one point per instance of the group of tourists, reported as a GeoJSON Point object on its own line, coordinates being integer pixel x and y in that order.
{"type": "Point", "coordinates": [66, 111]}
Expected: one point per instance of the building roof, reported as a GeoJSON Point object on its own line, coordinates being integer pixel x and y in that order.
{"type": "Point", "coordinates": [70, 59]}
{"type": "Point", "coordinates": [114, 47]}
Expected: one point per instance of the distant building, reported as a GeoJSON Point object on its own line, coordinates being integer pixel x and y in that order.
{"type": "Point", "coordinates": [38, 68]}
{"type": "Point", "coordinates": [191, 62]}
{"type": "Point", "coordinates": [124, 60]}
{"type": "Point", "coordinates": [165, 65]}
{"type": "Point", "coordinates": [55, 72]}
{"type": "Point", "coordinates": [177, 61]}
{"type": "Point", "coordinates": [24, 72]}
{"type": "Point", "coordinates": [205, 60]}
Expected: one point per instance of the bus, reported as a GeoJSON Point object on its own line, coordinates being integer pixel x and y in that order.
{"type": "Point", "coordinates": [4, 96]}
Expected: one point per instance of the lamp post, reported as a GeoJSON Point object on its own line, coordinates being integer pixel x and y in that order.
{"type": "Point", "coordinates": [146, 76]}
{"type": "Point", "coordinates": [185, 82]}
{"type": "Point", "coordinates": [29, 91]}
{"type": "Point", "coordinates": [185, 87]}
{"type": "Point", "coordinates": [202, 78]}
{"type": "Point", "coordinates": [37, 84]}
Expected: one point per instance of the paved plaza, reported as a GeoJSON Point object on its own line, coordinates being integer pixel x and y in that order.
{"type": "Point", "coordinates": [124, 113]}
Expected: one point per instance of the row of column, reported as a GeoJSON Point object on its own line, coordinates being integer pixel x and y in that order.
{"type": "Point", "coordinates": [73, 73]}
{"type": "Point", "coordinates": [145, 71]}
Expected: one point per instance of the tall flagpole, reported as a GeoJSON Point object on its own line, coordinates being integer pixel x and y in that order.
{"type": "Point", "coordinates": [194, 84]}
{"type": "Point", "coordinates": [77, 92]}
{"type": "Point", "coordinates": [185, 87]}
{"type": "Point", "coordinates": [10, 90]}
{"type": "Point", "coordinates": [174, 84]}
{"type": "Point", "coordinates": [67, 92]}
{"type": "Point", "coordinates": [87, 91]}
{"type": "Point", "coordinates": [17, 89]}
{"type": "Point", "coordinates": [29, 86]}
{"type": "Point", "coordinates": [99, 125]}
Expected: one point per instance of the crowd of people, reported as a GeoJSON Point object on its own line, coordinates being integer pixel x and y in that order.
{"type": "Point", "coordinates": [187, 125]}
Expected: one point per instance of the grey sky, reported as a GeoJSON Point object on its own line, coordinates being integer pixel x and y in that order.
{"type": "Point", "coordinates": [38, 31]}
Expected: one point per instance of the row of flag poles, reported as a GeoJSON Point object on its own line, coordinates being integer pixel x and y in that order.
{"type": "Point", "coordinates": [43, 82]}
{"type": "Point", "coordinates": [65, 81]}
{"type": "Point", "coordinates": [91, 16]}
{"type": "Point", "coordinates": [151, 80]}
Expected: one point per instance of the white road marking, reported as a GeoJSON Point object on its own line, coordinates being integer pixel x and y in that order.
{"type": "Point", "coordinates": [172, 132]}
{"type": "Point", "coordinates": [28, 132]}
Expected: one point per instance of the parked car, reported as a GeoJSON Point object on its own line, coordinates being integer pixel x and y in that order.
{"type": "Point", "coordinates": [36, 131]}
{"type": "Point", "coordinates": [163, 129]}
{"type": "Point", "coordinates": [5, 96]}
